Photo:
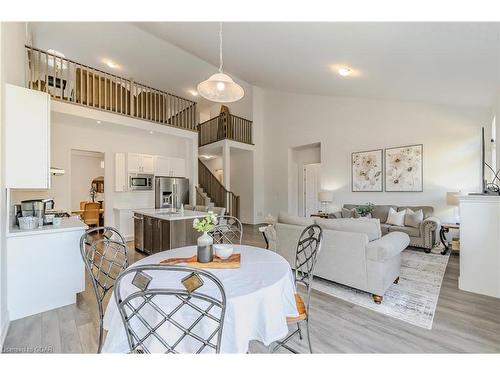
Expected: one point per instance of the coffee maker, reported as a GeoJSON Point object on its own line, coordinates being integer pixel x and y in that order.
{"type": "Point", "coordinates": [38, 208]}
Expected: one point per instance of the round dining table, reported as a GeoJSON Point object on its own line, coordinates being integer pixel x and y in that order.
{"type": "Point", "coordinates": [259, 296]}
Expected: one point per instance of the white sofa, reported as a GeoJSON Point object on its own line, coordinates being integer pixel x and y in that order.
{"type": "Point", "coordinates": [353, 253]}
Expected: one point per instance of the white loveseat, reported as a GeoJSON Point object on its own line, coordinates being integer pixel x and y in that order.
{"type": "Point", "coordinates": [353, 253]}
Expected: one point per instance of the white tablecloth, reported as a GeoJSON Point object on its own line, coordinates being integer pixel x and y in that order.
{"type": "Point", "coordinates": [260, 295]}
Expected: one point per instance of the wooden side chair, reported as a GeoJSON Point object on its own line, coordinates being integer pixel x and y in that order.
{"type": "Point", "coordinates": [306, 256]}
{"type": "Point", "coordinates": [91, 213]}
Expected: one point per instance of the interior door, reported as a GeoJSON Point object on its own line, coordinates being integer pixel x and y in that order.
{"type": "Point", "coordinates": [312, 184]}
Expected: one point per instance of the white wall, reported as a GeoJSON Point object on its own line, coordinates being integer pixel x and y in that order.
{"type": "Point", "coordinates": [242, 182]}
{"type": "Point", "coordinates": [343, 125]}
{"type": "Point", "coordinates": [12, 39]}
{"type": "Point", "coordinates": [70, 132]}
{"type": "Point", "coordinates": [88, 166]}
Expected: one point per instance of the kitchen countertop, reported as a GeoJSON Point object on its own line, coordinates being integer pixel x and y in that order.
{"type": "Point", "coordinates": [163, 214]}
{"type": "Point", "coordinates": [67, 225]}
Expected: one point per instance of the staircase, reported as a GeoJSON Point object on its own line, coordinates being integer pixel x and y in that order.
{"type": "Point", "coordinates": [212, 191]}
{"type": "Point", "coordinates": [202, 198]}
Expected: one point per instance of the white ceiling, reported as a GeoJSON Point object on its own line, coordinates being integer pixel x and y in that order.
{"type": "Point", "coordinates": [455, 63]}
{"type": "Point", "coordinates": [450, 63]}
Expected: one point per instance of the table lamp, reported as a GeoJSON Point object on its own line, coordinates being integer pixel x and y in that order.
{"type": "Point", "coordinates": [325, 197]}
{"type": "Point", "coordinates": [452, 200]}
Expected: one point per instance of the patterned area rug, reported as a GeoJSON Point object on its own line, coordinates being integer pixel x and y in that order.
{"type": "Point", "coordinates": [413, 299]}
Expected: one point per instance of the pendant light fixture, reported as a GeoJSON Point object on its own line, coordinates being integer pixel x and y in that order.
{"type": "Point", "coordinates": [220, 87]}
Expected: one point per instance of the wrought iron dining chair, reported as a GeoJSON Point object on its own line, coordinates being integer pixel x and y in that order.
{"type": "Point", "coordinates": [228, 230]}
{"type": "Point", "coordinates": [105, 256]}
{"type": "Point", "coordinates": [186, 317]}
{"type": "Point", "coordinates": [308, 248]}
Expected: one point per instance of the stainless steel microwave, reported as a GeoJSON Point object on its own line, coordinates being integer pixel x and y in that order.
{"type": "Point", "coordinates": [137, 181]}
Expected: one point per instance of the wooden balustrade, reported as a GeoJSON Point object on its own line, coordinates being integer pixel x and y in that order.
{"type": "Point", "coordinates": [217, 192]}
{"type": "Point", "coordinates": [225, 126]}
{"type": "Point", "coordinates": [72, 82]}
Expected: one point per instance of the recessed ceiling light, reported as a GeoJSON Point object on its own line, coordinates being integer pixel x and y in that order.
{"type": "Point", "coordinates": [344, 72]}
{"type": "Point", "coordinates": [98, 121]}
{"type": "Point", "coordinates": [193, 92]}
{"type": "Point", "coordinates": [111, 64]}
{"type": "Point", "coordinates": [151, 132]}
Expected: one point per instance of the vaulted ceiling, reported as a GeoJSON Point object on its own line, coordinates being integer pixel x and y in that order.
{"type": "Point", "coordinates": [448, 63]}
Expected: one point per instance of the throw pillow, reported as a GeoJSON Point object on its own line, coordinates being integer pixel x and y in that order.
{"type": "Point", "coordinates": [413, 218]}
{"type": "Point", "coordinates": [347, 214]}
{"type": "Point", "coordinates": [396, 218]}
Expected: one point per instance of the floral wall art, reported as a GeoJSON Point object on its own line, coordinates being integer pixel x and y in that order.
{"type": "Point", "coordinates": [403, 168]}
{"type": "Point", "coordinates": [366, 170]}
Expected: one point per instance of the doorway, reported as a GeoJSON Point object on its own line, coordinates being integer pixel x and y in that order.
{"type": "Point", "coordinates": [87, 186]}
{"type": "Point", "coordinates": [303, 193]}
{"type": "Point", "coordinates": [312, 186]}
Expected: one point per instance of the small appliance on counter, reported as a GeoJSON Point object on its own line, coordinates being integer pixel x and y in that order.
{"type": "Point", "coordinates": [35, 208]}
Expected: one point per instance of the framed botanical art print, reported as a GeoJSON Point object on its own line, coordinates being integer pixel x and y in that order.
{"type": "Point", "coordinates": [366, 171]}
{"type": "Point", "coordinates": [404, 168]}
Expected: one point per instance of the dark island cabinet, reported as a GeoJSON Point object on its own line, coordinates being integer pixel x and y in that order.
{"type": "Point", "coordinates": [160, 235]}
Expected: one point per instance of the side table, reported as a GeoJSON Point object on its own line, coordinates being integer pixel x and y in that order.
{"type": "Point", "coordinates": [445, 228]}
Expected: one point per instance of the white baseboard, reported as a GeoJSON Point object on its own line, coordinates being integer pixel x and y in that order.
{"type": "Point", "coordinates": [3, 331]}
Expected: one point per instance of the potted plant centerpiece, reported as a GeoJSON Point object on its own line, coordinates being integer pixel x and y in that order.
{"type": "Point", "coordinates": [205, 241]}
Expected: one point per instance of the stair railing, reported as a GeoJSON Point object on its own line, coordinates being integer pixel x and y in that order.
{"type": "Point", "coordinates": [71, 82]}
{"type": "Point", "coordinates": [217, 192]}
{"type": "Point", "coordinates": [225, 126]}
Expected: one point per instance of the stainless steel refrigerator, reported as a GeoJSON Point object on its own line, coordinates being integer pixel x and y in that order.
{"type": "Point", "coordinates": [171, 192]}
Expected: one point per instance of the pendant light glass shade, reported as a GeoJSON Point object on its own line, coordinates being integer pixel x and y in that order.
{"type": "Point", "coordinates": [220, 88]}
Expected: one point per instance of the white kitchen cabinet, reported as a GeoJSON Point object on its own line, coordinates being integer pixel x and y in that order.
{"type": "Point", "coordinates": [173, 167]}
{"type": "Point", "coordinates": [27, 138]}
{"type": "Point", "coordinates": [140, 163]}
{"type": "Point", "coordinates": [178, 167]}
{"type": "Point", "coordinates": [162, 166]}
{"type": "Point", "coordinates": [148, 164]}
{"type": "Point", "coordinates": [134, 163]}
{"type": "Point", "coordinates": [120, 172]}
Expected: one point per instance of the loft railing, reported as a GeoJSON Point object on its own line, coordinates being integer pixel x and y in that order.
{"type": "Point", "coordinates": [217, 192]}
{"type": "Point", "coordinates": [72, 82]}
{"type": "Point", "coordinates": [225, 126]}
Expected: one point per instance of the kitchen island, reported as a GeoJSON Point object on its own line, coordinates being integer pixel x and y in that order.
{"type": "Point", "coordinates": [157, 230]}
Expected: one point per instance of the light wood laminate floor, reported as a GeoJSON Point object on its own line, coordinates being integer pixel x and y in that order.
{"type": "Point", "coordinates": [464, 322]}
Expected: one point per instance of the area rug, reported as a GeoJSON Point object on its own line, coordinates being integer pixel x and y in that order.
{"type": "Point", "coordinates": [413, 299]}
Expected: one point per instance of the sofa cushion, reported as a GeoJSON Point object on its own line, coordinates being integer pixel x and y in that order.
{"type": "Point", "coordinates": [387, 247]}
{"type": "Point", "coordinates": [395, 217]}
{"type": "Point", "coordinates": [413, 218]}
{"type": "Point", "coordinates": [410, 231]}
{"type": "Point", "coordinates": [379, 211]}
{"type": "Point", "coordinates": [370, 227]}
{"type": "Point", "coordinates": [287, 218]}
{"type": "Point", "coordinates": [349, 213]}
{"type": "Point", "coordinates": [385, 228]}
{"type": "Point", "coordinates": [427, 210]}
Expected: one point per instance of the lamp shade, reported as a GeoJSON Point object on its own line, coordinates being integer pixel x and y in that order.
{"type": "Point", "coordinates": [452, 198]}
{"type": "Point", "coordinates": [325, 196]}
{"type": "Point", "coordinates": [220, 88]}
